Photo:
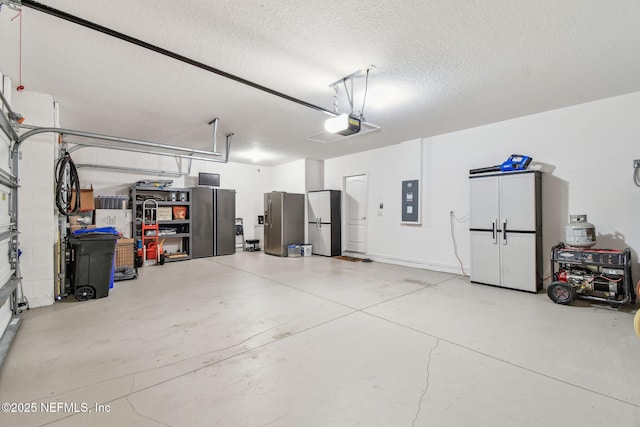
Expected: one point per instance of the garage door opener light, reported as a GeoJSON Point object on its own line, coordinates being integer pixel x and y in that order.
{"type": "Point", "coordinates": [346, 124]}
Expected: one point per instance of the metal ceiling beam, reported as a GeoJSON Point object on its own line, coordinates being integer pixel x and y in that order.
{"type": "Point", "coordinates": [61, 131]}
{"type": "Point", "coordinates": [104, 30]}
{"type": "Point", "coordinates": [36, 130]}
{"type": "Point", "coordinates": [131, 170]}
{"type": "Point", "coordinates": [83, 144]}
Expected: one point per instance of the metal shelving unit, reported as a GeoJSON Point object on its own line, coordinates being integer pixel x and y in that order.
{"type": "Point", "coordinates": [166, 197]}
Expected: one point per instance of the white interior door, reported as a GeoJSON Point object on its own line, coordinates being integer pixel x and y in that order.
{"type": "Point", "coordinates": [355, 191]}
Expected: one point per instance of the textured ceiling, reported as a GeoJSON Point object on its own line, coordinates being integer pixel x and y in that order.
{"type": "Point", "coordinates": [440, 66]}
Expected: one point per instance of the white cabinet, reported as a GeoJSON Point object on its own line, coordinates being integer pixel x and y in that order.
{"type": "Point", "coordinates": [324, 224]}
{"type": "Point", "coordinates": [506, 230]}
{"type": "Point", "coordinates": [319, 206]}
{"type": "Point", "coordinates": [320, 238]}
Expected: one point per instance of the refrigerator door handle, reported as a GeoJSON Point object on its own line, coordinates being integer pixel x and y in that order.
{"type": "Point", "coordinates": [504, 231]}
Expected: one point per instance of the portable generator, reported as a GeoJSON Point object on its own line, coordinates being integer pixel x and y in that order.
{"type": "Point", "coordinates": [602, 275]}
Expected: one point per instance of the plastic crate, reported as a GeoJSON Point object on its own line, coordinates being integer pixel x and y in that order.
{"type": "Point", "coordinates": [113, 202]}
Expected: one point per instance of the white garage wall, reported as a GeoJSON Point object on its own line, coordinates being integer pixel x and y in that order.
{"type": "Point", "coordinates": [36, 203]}
{"type": "Point", "coordinates": [290, 177]}
{"type": "Point", "coordinates": [586, 150]}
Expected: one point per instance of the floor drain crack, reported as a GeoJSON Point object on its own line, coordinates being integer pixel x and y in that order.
{"type": "Point", "coordinates": [426, 386]}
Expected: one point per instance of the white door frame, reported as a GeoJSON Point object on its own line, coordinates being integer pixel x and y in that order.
{"type": "Point", "coordinates": [345, 212]}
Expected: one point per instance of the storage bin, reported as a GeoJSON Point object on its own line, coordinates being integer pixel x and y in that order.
{"type": "Point", "coordinates": [305, 250]}
{"type": "Point", "coordinates": [293, 250]}
{"type": "Point", "coordinates": [113, 202]}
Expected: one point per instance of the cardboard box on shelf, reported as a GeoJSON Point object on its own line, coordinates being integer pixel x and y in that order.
{"type": "Point", "coordinates": [86, 199]}
{"type": "Point", "coordinates": [120, 219]}
{"type": "Point", "coordinates": [179, 212]}
{"type": "Point", "coordinates": [164, 214]}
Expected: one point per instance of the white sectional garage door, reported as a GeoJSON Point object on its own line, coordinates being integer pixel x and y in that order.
{"type": "Point", "coordinates": [9, 319]}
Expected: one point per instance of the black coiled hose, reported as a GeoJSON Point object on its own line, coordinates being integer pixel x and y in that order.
{"type": "Point", "coordinates": [65, 188]}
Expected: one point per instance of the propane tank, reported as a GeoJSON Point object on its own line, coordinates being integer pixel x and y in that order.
{"type": "Point", "coordinates": [579, 233]}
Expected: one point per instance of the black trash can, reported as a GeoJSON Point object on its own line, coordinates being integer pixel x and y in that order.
{"type": "Point", "coordinates": [91, 264]}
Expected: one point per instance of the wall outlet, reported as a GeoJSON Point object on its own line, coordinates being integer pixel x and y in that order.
{"type": "Point", "coordinates": [636, 164]}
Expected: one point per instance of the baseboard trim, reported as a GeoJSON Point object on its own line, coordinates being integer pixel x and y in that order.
{"type": "Point", "coordinates": [415, 263]}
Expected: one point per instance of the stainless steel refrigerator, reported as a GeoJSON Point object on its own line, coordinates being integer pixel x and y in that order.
{"type": "Point", "coordinates": [283, 221]}
{"type": "Point", "coordinates": [213, 213]}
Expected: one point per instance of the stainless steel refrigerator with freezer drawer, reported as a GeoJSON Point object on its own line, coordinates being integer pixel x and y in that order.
{"type": "Point", "coordinates": [283, 221]}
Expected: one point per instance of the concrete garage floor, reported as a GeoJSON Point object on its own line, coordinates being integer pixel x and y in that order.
{"type": "Point", "coordinates": [256, 340]}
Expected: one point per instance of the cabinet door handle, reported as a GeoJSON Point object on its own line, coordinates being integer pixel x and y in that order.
{"type": "Point", "coordinates": [493, 232]}
{"type": "Point", "coordinates": [504, 231]}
